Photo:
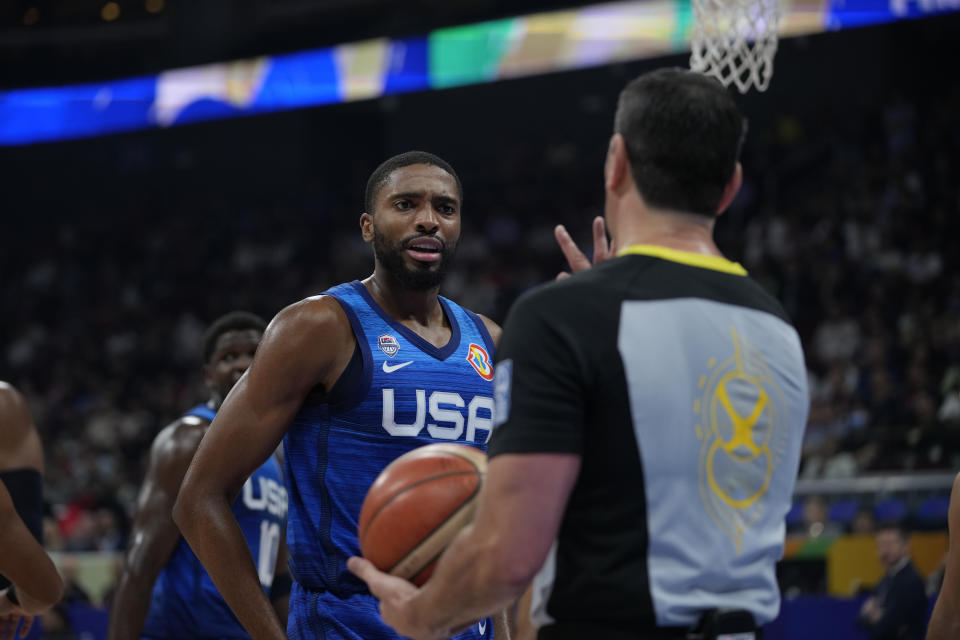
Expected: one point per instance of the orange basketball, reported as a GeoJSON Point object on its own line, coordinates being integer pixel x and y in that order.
{"type": "Point", "coordinates": [417, 505]}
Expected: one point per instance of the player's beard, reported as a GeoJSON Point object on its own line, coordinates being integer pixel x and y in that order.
{"type": "Point", "coordinates": [422, 278]}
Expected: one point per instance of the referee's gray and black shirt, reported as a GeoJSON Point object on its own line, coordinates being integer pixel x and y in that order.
{"type": "Point", "coordinates": [681, 384]}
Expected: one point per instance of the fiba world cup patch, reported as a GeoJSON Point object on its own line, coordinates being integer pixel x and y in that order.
{"type": "Point", "coordinates": [389, 345]}
{"type": "Point", "coordinates": [480, 361]}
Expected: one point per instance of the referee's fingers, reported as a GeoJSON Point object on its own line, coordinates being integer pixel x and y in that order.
{"type": "Point", "coordinates": [575, 257]}
{"type": "Point", "coordinates": [362, 568]}
{"type": "Point", "coordinates": [377, 581]}
{"type": "Point", "coordinates": [601, 248]}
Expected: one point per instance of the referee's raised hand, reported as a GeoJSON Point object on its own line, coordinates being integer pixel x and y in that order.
{"type": "Point", "coordinates": [602, 249]}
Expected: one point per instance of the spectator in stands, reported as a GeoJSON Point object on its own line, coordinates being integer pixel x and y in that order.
{"type": "Point", "coordinates": [897, 608]}
{"type": "Point", "coordinates": [949, 411]}
{"type": "Point", "coordinates": [863, 522]}
{"type": "Point", "coordinates": [109, 537]}
{"type": "Point", "coordinates": [816, 524]}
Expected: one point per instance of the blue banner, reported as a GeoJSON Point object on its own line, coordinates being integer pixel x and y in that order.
{"type": "Point", "coordinates": [846, 14]}
{"type": "Point", "coordinates": [509, 48]}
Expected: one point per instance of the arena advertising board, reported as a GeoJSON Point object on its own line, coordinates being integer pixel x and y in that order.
{"type": "Point", "coordinates": [484, 52]}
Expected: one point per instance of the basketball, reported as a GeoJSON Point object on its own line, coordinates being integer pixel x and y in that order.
{"type": "Point", "coordinates": [417, 505]}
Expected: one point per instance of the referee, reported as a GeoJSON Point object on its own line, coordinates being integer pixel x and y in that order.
{"type": "Point", "coordinates": [649, 413]}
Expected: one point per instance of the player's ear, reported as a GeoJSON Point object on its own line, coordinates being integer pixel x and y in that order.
{"type": "Point", "coordinates": [616, 169]}
{"type": "Point", "coordinates": [732, 188]}
{"type": "Point", "coordinates": [366, 227]}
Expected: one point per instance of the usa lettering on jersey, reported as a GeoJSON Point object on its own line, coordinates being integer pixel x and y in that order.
{"type": "Point", "coordinates": [272, 496]}
{"type": "Point", "coordinates": [446, 412]}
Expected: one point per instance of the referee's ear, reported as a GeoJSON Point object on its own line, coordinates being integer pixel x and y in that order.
{"type": "Point", "coordinates": [616, 168]}
{"type": "Point", "coordinates": [730, 191]}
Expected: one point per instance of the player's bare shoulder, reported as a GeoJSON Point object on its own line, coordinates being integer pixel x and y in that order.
{"type": "Point", "coordinates": [178, 440]}
{"type": "Point", "coordinates": [305, 321]}
{"type": "Point", "coordinates": [308, 343]}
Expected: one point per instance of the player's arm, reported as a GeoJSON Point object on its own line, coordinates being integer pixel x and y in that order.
{"type": "Point", "coordinates": [306, 344]}
{"type": "Point", "coordinates": [945, 621]}
{"type": "Point", "coordinates": [153, 535]}
{"type": "Point", "coordinates": [36, 584]}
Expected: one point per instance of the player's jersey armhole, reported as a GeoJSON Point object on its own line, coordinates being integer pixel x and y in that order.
{"type": "Point", "coordinates": [482, 328]}
{"type": "Point", "coordinates": [351, 387]}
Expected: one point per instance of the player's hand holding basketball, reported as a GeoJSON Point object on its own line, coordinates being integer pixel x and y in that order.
{"type": "Point", "coordinates": [602, 249]}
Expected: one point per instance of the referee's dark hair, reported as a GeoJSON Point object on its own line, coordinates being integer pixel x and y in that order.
{"type": "Point", "coordinates": [683, 133]}
{"type": "Point", "coordinates": [233, 321]}
{"type": "Point", "coordinates": [382, 173]}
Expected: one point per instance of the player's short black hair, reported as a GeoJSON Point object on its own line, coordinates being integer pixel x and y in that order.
{"type": "Point", "coordinates": [382, 173]}
{"type": "Point", "coordinates": [683, 133]}
{"type": "Point", "coordinates": [233, 321]}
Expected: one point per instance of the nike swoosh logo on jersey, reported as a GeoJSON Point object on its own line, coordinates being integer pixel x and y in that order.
{"type": "Point", "coordinates": [482, 626]}
{"type": "Point", "coordinates": [390, 368]}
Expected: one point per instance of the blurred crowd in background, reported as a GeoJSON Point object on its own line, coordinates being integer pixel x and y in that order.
{"type": "Point", "coordinates": [851, 221]}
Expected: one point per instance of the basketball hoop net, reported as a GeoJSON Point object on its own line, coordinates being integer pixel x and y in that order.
{"type": "Point", "coordinates": [735, 41]}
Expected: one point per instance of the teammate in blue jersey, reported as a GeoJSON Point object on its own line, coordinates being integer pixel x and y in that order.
{"type": "Point", "coordinates": [351, 379]}
{"type": "Point", "coordinates": [164, 591]}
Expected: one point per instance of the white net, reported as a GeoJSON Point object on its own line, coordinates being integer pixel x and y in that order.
{"type": "Point", "coordinates": [735, 41]}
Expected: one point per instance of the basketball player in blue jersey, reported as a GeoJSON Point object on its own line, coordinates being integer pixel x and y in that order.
{"type": "Point", "coordinates": [164, 591]}
{"type": "Point", "coordinates": [350, 379]}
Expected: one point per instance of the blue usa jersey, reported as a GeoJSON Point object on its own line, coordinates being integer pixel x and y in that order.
{"type": "Point", "coordinates": [185, 603]}
{"type": "Point", "coordinates": [398, 393]}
